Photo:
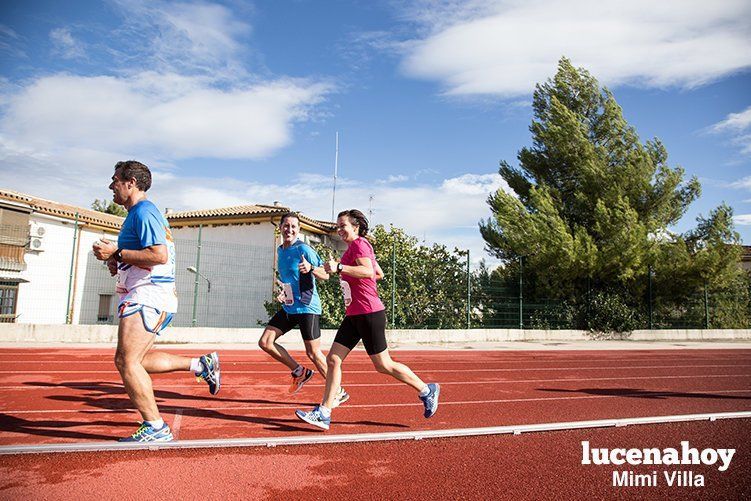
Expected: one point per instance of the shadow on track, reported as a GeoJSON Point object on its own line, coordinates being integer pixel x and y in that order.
{"type": "Point", "coordinates": [639, 393]}
{"type": "Point", "coordinates": [110, 388]}
{"type": "Point", "coordinates": [106, 395]}
{"type": "Point", "coordinates": [54, 427]}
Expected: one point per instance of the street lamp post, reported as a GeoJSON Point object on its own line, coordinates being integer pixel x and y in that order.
{"type": "Point", "coordinates": [193, 270]}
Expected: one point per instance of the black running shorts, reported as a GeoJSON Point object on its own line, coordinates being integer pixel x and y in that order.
{"type": "Point", "coordinates": [370, 327]}
{"type": "Point", "coordinates": [309, 323]}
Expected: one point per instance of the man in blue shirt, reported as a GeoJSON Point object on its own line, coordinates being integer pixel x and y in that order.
{"type": "Point", "coordinates": [144, 261]}
{"type": "Point", "coordinates": [297, 264]}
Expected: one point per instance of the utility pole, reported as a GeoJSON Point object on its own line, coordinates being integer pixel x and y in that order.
{"type": "Point", "coordinates": [336, 172]}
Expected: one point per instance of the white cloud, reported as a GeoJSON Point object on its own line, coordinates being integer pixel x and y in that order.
{"type": "Point", "coordinates": [392, 179]}
{"type": "Point", "coordinates": [446, 211]}
{"type": "Point", "coordinates": [8, 42]}
{"type": "Point", "coordinates": [160, 115]}
{"type": "Point", "coordinates": [179, 89]}
{"type": "Point", "coordinates": [742, 219]}
{"type": "Point", "coordinates": [474, 184]}
{"type": "Point", "coordinates": [186, 37]}
{"type": "Point", "coordinates": [65, 45]}
{"type": "Point", "coordinates": [735, 121]}
{"type": "Point", "coordinates": [738, 125]}
{"type": "Point", "coordinates": [742, 183]}
{"type": "Point", "coordinates": [504, 47]}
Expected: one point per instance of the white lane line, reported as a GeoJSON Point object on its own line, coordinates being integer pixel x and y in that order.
{"type": "Point", "coordinates": [175, 428]}
{"type": "Point", "coordinates": [433, 360]}
{"type": "Point", "coordinates": [297, 405]}
{"type": "Point", "coordinates": [369, 437]}
{"type": "Point", "coordinates": [505, 369]}
{"type": "Point", "coordinates": [118, 385]}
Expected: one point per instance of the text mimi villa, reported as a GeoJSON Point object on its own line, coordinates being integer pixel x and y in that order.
{"type": "Point", "coordinates": [685, 455]}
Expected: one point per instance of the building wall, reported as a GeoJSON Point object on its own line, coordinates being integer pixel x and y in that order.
{"type": "Point", "coordinates": [238, 261]}
{"type": "Point", "coordinates": [261, 234]}
{"type": "Point", "coordinates": [93, 281]}
{"type": "Point", "coordinates": [43, 299]}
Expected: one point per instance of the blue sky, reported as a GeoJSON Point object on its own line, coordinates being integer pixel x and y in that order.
{"type": "Point", "coordinates": [239, 102]}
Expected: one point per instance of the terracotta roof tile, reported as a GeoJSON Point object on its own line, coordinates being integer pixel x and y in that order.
{"type": "Point", "coordinates": [115, 222]}
{"type": "Point", "coordinates": [65, 211]}
{"type": "Point", "coordinates": [237, 210]}
{"type": "Point", "coordinates": [247, 210]}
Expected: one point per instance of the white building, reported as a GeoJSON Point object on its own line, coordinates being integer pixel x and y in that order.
{"type": "Point", "coordinates": [48, 274]}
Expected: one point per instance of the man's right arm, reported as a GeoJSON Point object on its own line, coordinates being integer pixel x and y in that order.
{"type": "Point", "coordinates": [145, 258]}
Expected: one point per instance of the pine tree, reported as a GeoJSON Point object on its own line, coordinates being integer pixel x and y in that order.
{"type": "Point", "coordinates": [593, 205]}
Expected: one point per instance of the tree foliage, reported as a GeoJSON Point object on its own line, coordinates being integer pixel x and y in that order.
{"type": "Point", "coordinates": [423, 286]}
{"type": "Point", "coordinates": [109, 207]}
{"type": "Point", "coordinates": [428, 284]}
{"type": "Point", "coordinates": [592, 204]}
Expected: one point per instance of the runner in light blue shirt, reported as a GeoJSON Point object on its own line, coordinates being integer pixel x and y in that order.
{"type": "Point", "coordinates": [298, 264]}
{"type": "Point", "coordinates": [144, 261]}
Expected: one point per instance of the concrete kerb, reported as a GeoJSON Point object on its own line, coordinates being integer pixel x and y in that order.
{"type": "Point", "coordinates": [450, 338]}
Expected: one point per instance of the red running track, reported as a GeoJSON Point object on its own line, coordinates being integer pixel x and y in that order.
{"type": "Point", "coordinates": [534, 466]}
{"type": "Point", "coordinates": [74, 395]}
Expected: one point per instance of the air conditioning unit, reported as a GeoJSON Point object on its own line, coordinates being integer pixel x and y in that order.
{"type": "Point", "coordinates": [36, 230]}
{"type": "Point", "coordinates": [36, 244]}
{"type": "Point", "coordinates": [36, 237]}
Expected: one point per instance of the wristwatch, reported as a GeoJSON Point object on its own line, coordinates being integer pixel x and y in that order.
{"type": "Point", "coordinates": [118, 255]}
{"type": "Point", "coordinates": [339, 267]}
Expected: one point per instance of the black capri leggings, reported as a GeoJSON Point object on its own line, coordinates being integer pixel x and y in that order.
{"type": "Point", "coordinates": [370, 327]}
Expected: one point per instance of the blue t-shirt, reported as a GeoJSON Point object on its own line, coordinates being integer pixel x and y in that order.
{"type": "Point", "coordinates": [154, 285]}
{"type": "Point", "coordinates": [145, 226]}
{"type": "Point", "coordinates": [305, 293]}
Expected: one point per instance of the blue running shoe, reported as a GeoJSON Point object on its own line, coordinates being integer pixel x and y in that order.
{"type": "Point", "coordinates": [146, 433]}
{"type": "Point", "coordinates": [430, 401]}
{"type": "Point", "coordinates": [315, 418]}
{"type": "Point", "coordinates": [211, 373]}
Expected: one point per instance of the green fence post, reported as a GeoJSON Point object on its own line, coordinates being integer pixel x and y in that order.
{"type": "Point", "coordinates": [195, 284]}
{"type": "Point", "coordinates": [68, 312]}
{"type": "Point", "coordinates": [706, 307]}
{"type": "Point", "coordinates": [393, 285]}
{"type": "Point", "coordinates": [469, 293]}
{"type": "Point", "coordinates": [589, 298]}
{"type": "Point", "coordinates": [649, 299]}
{"type": "Point", "coordinates": [521, 295]}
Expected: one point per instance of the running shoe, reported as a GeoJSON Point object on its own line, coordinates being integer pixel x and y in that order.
{"type": "Point", "coordinates": [341, 397]}
{"type": "Point", "coordinates": [430, 401]}
{"type": "Point", "coordinates": [299, 381]}
{"type": "Point", "coordinates": [211, 373]}
{"type": "Point", "coordinates": [146, 433]}
{"type": "Point", "coordinates": [315, 418]}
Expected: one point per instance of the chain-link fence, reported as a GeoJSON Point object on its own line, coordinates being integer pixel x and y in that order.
{"type": "Point", "coordinates": [231, 285]}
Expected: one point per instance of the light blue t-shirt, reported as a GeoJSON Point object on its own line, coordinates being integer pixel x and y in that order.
{"type": "Point", "coordinates": [145, 226]}
{"type": "Point", "coordinates": [288, 261]}
{"type": "Point", "coordinates": [154, 285]}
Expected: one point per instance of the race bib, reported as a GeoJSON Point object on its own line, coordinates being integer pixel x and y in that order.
{"type": "Point", "coordinates": [289, 298]}
{"type": "Point", "coordinates": [120, 286]}
{"type": "Point", "coordinates": [346, 292]}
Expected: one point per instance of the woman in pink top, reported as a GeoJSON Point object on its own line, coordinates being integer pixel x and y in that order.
{"type": "Point", "coordinates": [365, 319]}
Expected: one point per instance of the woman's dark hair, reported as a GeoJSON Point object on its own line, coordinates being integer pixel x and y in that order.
{"type": "Point", "coordinates": [358, 219]}
{"type": "Point", "coordinates": [131, 169]}
{"type": "Point", "coordinates": [287, 215]}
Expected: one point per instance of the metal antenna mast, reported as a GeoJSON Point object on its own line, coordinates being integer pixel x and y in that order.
{"type": "Point", "coordinates": [336, 171]}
